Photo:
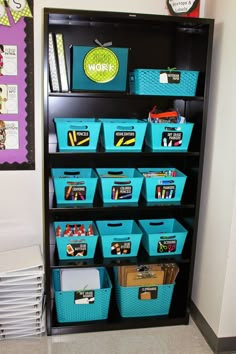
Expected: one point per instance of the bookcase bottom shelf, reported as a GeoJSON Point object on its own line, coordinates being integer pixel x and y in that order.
{"type": "Point", "coordinates": [117, 324]}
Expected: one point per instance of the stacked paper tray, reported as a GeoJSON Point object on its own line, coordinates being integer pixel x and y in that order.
{"type": "Point", "coordinates": [21, 293]}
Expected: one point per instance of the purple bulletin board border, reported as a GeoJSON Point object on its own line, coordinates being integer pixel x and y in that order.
{"type": "Point", "coordinates": [24, 157]}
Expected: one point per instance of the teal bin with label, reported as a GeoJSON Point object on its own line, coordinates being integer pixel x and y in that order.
{"type": "Point", "coordinates": [77, 134]}
{"type": "Point", "coordinates": [163, 236]}
{"type": "Point", "coordinates": [163, 82]}
{"type": "Point", "coordinates": [118, 186]}
{"type": "Point", "coordinates": [69, 310]}
{"type": "Point", "coordinates": [74, 187]}
{"type": "Point", "coordinates": [123, 134]}
{"type": "Point", "coordinates": [99, 68]}
{"type": "Point", "coordinates": [119, 238]}
{"type": "Point", "coordinates": [168, 137]}
{"type": "Point", "coordinates": [74, 240]}
{"type": "Point", "coordinates": [131, 303]}
{"type": "Point", "coordinates": [162, 185]}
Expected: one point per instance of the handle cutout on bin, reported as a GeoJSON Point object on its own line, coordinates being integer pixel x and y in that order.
{"type": "Point", "coordinates": [122, 239]}
{"type": "Point", "coordinates": [125, 128]}
{"type": "Point", "coordinates": [156, 223]}
{"type": "Point", "coordinates": [123, 182]}
{"type": "Point", "coordinates": [80, 127]}
{"type": "Point", "coordinates": [116, 173]}
{"type": "Point", "coordinates": [80, 183]}
{"type": "Point", "coordinates": [71, 173]}
{"type": "Point", "coordinates": [115, 225]}
{"type": "Point", "coordinates": [167, 237]}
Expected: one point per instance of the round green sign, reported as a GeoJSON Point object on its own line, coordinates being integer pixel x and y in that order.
{"type": "Point", "coordinates": [101, 65]}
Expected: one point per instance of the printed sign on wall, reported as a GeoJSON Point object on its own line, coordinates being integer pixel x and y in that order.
{"type": "Point", "coordinates": [187, 8]}
{"type": "Point", "coordinates": [16, 85]}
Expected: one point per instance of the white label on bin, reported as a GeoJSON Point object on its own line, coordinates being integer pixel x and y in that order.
{"type": "Point", "coordinates": [165, 192]}
{"type": "Point", "coordinates": [75, 193]}
{"type": "Point", "coordinates": [85, 297]}
{"type": "Point", "coordinates": [148, 293]}
{"type": "Point", "coordinates": [172, 139]}
{"type": "Point", "coordinates": [125, 138]}
{"type": "Point", "coordinates": [120, 248]}
{"type": "Point", "coordinates": [121, 192]}
{"type": "Point", "coordinates": [77, 250]}
{"type": "Point", "coordinates": [166, 246]}
{"type": "Point", "coordinates": [169, 77]}
{"type": "Point", "coordinates": [78, 138]}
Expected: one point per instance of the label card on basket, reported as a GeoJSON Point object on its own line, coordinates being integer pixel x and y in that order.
{"type": "Point", "coordinates": [77, 250]}
{"type": "Point", "coordinates": [85, 297]}
{"type": "Point", "coordinates": [78, 138]}
{"type": "Point", "coordinates": [169, 77]}
{"type": "Point", "coordinates": [75, 193]}
{"type": "Point", "coordinates": [148, 293]}
{"type": "Point", "coordinates": [166, 246]}
{"type": "Point", "coordinates": [172, 139]}
{"type": "Point", "coordinates": [121, 192]}
{"type": "Point", "coordinates": [121, 248]}
{"type": "Point", "coordinates": [125, 138]}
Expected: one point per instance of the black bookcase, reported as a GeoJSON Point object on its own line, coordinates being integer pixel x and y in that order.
{"type": "Point", "coordinates": [154, 42]}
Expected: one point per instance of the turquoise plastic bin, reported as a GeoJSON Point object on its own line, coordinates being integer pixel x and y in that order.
{"type": "Point", "coordinates": [152, 82]}
{"type": "Point", "coordinates": [76, 247]}
{"type": "Point", "coordinates": [163, 236]}
{"type": "Point", "coordinates": [130, 305]}
{"type": "Point", "coordinates": [119, 238]}
{"type": "Point", "coordinates": [162, 189]}
{"type": "Point", "coordinates": [74, 186]}
{"type": "Point", "coordinates": [77, 134]}
{"type": "Point", "coordinates": [68, 311]}
{"type": "Point", "coordinates": [123, 135]}
{"type": "Point", "coordinates": [80, 81]}
{"type": "Point", "coordinates": [168, 137]}
{"type": "Point", "coordinates": [119, 186]}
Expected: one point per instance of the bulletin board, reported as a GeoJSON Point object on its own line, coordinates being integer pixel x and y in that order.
{"type": "Point", "coordinates": [16, 85]}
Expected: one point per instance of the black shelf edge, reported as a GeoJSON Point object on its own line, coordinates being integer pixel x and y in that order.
{"type": "Point", "coordinates": [59, 155]}
{"type": "Point", "coordinates": [101, 209]}
{"type": "Point", "coordinates": [99, 261]}
{"type": "Point", "coordinates": [128, 323]}
{"type": "Point", "coordinates": [119, 95]}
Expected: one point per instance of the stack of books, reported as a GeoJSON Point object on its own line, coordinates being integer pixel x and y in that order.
{"type": "Point", "coordinates": [22, 300]}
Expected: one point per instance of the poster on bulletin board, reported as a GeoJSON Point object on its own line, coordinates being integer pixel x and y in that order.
{"type": "Point", "coordinates": [16, 85]}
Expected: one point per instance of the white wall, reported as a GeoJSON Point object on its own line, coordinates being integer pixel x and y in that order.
{"type": "Point", "coordinates": [214, 276]}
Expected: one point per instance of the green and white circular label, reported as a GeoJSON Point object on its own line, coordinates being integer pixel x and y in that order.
{"type": "Point", "coordinates": [101, 65]}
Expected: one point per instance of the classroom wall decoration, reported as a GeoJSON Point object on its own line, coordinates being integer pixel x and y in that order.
{"type": "Point", "coordinates": [187, 8]}
{"type": "Point", "coordinates": [16, 85]}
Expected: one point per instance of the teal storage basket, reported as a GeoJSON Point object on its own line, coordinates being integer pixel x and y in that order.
{"type": "Point", "coordinates": [130, 305]}
{"type": "Point", "coordinates": [163, 236]}
{"type": "Point", "coordinates": [76, 247]}
{"type": "Point", "coordinates": [119, 238]}
{"type": "Point", "coordinates": [149, 82]}
{"type": "Point", "coordinates": [168, 137]}
{"type": "Point", "coordinates": [160, 188]}
{"type": "Point", "coordinates": [80, 81]}
{"type": "Point", "coordinates": [77, 134]}
{"type": "Point", "coordinates": [74, 186]}
{"type": "Point", "coordinates": [123, 135]}
{"type": "Point", "coordinates": [118, 186]}
{"type": "Point", "coordinates": [68, 311]}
